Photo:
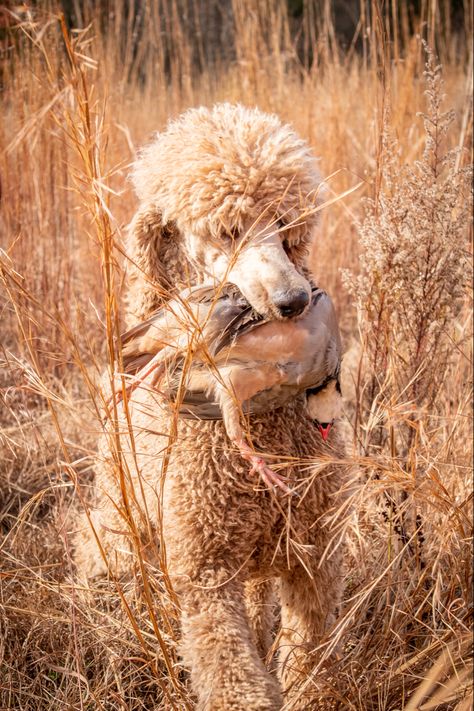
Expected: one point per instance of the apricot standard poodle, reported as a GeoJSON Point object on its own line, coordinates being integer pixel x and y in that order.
{"type": "Point", "coordinates": [229, 194]}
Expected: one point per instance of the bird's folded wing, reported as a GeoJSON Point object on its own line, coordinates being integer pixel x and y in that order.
{"type": "Point", "coordinates": [197, 294]}
{"type": "Point", "coordinates": [222, 317]}
{"type": "Point", "coordinates": [197, 406]}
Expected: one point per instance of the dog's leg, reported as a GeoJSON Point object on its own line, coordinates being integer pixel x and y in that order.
{"type": "Point", "coordinates": [260, 608]}
{"type": "Point", "coordinates": [211, 531]}
{"type": "Point", "coordinates": [102, 542]}
{"type": "Point", "coordinates": [114, 527]}
{"type": "Point", "coordinates": [308, 610]}
{"type": "Point", "coordinates": [226, 671]}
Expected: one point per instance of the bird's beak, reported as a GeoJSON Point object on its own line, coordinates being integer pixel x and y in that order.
{"type": "Point", "coordinates": [324, 430]}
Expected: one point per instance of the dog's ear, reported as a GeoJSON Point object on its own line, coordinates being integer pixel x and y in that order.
{"type": "Point", "coordinates": [148, 281]}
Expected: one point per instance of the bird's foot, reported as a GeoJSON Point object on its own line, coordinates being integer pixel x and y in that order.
{"type": "Point", "coordinates": [271, 478]}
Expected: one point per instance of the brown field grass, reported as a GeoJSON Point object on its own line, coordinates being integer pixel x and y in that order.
{"type": "Point", "coordinates": [76, 105]}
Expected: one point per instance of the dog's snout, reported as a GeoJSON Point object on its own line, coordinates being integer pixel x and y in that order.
{"type": "Point", "coordinates": [291, 303]}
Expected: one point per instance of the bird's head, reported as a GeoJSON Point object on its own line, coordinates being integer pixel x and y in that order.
{"type": "Point", "coordinates": [324, 405]}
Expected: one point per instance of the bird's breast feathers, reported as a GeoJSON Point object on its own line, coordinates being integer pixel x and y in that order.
{"type": "Point", "coordinates": [274, 342]}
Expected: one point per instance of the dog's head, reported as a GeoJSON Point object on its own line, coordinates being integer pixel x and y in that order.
{"type": "Point", "coordinates": [242, 190]}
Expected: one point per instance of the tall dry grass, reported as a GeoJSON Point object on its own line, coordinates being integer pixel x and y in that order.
{"type": "Point", "coordinates": [76, 104]}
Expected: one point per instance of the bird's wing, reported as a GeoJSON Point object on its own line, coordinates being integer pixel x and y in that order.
{"type": "Point", "coordinates": [197, 406]}
{"type": "Point", "coordinates": [141, 327]}
{"type": "Point", "coordinates": [202, 293]}
{"type": "Point", "coordinates": [133, 362]}
{"type": "Point", "coordinates": [141, 342]}
{"type": "Point", "coordinates": [243, 321]}
{"type": "Point", "coordinates": [246, 320]}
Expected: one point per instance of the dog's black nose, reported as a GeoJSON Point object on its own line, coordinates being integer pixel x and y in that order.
{"type": "Point", "coordinates": [291, 303]}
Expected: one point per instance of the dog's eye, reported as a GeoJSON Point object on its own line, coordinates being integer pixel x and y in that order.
{"type": "Point", "coordinates": [280, 224]}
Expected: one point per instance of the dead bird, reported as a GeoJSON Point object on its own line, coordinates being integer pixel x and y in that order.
{"type": "Point", "coordinates": [216, 358]}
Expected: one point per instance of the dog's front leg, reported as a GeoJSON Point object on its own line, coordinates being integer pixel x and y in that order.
{"type": "Point", "coordinates": [217, 645]}
{"type": "Point", "coordinates": [308, 610]}
{"type": "Point", "coordinates": [211, 526]}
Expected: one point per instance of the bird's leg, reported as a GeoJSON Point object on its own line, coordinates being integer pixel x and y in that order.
{"type": "Point", "coordinates": [230, 401]}
{"type": "Point", "coordinates": [271, 478]}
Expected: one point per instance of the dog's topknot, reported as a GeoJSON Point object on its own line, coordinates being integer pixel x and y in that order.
{"type": "Point", "coordinates": [215, 167]}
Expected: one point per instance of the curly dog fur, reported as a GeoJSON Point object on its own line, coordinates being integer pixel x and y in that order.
{"type": "Point", "coordinates": [228, 192]}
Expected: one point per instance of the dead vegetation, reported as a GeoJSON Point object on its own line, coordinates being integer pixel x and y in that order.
{"type": "Point", "coordinates": [76, 105]}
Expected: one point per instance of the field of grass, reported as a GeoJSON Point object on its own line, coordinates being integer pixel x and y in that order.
{"type": "Point", "coordinates": [391, 120]}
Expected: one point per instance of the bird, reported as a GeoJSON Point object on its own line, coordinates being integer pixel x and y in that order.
{"type": "Point", "coordinates": [216, 358]}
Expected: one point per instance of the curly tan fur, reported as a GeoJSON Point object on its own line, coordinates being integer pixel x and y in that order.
{"type": "Point", "coordinates": [210, 178]}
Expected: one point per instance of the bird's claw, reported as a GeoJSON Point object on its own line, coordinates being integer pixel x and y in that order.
{"type": "Point", "coordinates": [271, 478]}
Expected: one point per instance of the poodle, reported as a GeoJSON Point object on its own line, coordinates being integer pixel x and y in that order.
{"type": "Point", "coordinates": [229, 194]}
